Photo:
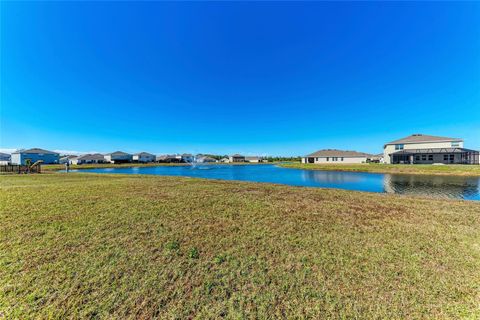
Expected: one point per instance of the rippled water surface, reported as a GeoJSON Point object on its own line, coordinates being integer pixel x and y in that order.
{"type": "Point", "coordinates": [434, 186]}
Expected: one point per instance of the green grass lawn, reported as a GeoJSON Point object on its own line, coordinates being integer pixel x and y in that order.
{"type": "Point", "coordinates": [130, 246]}
{"type": "Point", "coordinates": [57, 167]}
{"type": "Point", "coordinates": [458, 170]}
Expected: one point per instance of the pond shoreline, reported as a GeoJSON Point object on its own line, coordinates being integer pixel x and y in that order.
{"type": "Point", "coordinates": [417, 169]}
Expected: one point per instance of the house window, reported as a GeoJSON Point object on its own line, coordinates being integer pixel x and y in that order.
{"type": "Point", "coordinates": [399, 147]}
{"type": "Point", "coordinates": [445, 157]}
{"type": "Point", "coordinates": [455, 144]}
{"type": "Point", "coordinates": [430, 157]}
{"type": "Point", "coordinates": [424, 157]}
{"type": "Point", "coordinates": [327, 158]}
{"type": "Point", "coordinates": [452, 157]}
{"type": "Point", "coordinates": [342, 158]}
{"type": "Point", "coordinates": [417, 158]}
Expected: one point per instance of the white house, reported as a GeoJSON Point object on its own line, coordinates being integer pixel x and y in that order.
{"type": "Point", "coordinates": [425, 149]}
{"type": "Point", "coordinates": [71, 159]}
{"type": "Point", "coordinates": [118, 157]}
{"type": "Point", "coordinates": [336, 156]}
{"type": "Point", "coordinates": [144, 157]}
{"type": "Point", "coordinates": [253, 159]}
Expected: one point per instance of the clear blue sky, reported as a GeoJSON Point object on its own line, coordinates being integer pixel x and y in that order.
{"type": "Point", "coordinates": [256, 78]}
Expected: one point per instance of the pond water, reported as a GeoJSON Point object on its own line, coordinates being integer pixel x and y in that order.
{"type": "Point", "coordinates": [453, 187]}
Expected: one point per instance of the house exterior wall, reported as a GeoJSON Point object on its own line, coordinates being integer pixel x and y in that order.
{"type": "Point", "coordinates": [390, 148]}
{"type": "Point", "coordinates": [145, 158]}
{"type": "Point", "coordinates": [21, 158]}
{"type": "Point", "coordinates": [236, 159]}
{"type": "Point", "coordinates": [335, 160]}
{"type": "Point", "coordinates": [120, 158]}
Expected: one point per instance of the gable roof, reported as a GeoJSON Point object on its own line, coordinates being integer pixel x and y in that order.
{"type": "Point", "coordinates": [90, 157]}
{"type": "Point", "coordinates": [144, 154]}
{"type": "Point", "coordinates": [418, 138]}
{"type": "Point", "coordinates": [236, 155]}
{"type": "Point", "coordinates": [34, 150]}
{"type": "Point", "coordinates": [72, 156]}
{"type": "Point", "coordinates": [118, 153]}
{"type": "Point", "coordinates": [338, 153]}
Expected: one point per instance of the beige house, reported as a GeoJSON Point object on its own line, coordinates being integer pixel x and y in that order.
{"type": "Point", "coordinates": [253, 159]}
{"type": "Point", "coordinates": [336, 156]}
{"type": "Point", "coordinates": [425, 149]}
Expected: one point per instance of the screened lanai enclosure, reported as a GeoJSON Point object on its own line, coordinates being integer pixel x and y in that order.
{"type": "Point", "coordinates": [435, 155]}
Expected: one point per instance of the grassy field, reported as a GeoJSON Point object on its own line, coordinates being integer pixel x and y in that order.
{"type": "Point", "coordinates": [458, 170]}
{"type": "Point", "coordinates": [125, 246]}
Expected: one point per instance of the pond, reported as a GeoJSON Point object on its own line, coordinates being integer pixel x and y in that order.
{"type": "Point", "coordinates": [454, 187]}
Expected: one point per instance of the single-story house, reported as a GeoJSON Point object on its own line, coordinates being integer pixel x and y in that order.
{"type": "Point", "coordinates": [336, 156]}
{"type": "Point", "coordinates": [169, 158]}
{"type": "Point", "coordinates": [253, 159]}
{"type": "Point", "coordinates": [205, 159]}
{"type": "Point", "coordinates": [376, 158]}
{"type": "Point", "coordinates": [144, 157]}
{"type": "Point", "coordinates": [71, 159]}
{"type": "Point", "coordinates": [187, 157]}
{"type": "Point", "coordinates": [425, 149]}
{"type": "Point", "coordinates": [118, 157]}
{"type": "Point", "coordinates": [90, 158]}
{"type": "Point", "coordinates": [5, 158]}
{"type": "Point", "coordinates": [30, 156]}
{"type": "Point", "coordinates": [225, 160]}
{"type": "Point", "coordinates": [236, 158]}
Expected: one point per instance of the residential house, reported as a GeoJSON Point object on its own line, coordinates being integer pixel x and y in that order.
{"type": "Point", "coordinates": [253, 159]}
{"type": "Point", "coordinates": [236, 158]}
{"type": "Point", "coordinates": [426, 149]}
{"type": "Point", "coordinates": [169, 158]}
{"type": "Point", "coordinates": [30, 156]}
{"type": "Point", "coordinates": [5, 158]}
{"type": "Point", "coordinates": [336, 156]}
{"type": "Point", "coordinates": [118, 157]}
{"type": "Point", "coordinates": [71, 159]}
{"type": "Point", "coordinates": [376, 158]}
{"type": "Point", "coordinates": [187, 157]}
{"type": "Point", "coordinates": [205, 159]}
{"type": "Point", "coordinates": [144, 157]}
{"type": "Point", "coordinates": [90, 158]}
{"type": "Point", "coordinates": [225, 160]}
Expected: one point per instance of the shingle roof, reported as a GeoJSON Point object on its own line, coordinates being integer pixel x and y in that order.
{"type": "Point", "coordinates": [418, 137]}
{"type": "Point", "coordinates": [252, 158]}
{"type": "Point", "coordinates": [35, 150]}
{"type": "Point", "coordinates": [338, 153]}
{"type": "Point", "coordinates": [118, 153]}
{"type": "Point", "coordinates": [144, 154]}
{"type": "Point", "coordinates": [236, 155]}
{"type": "Point", "coordinates": [90, 157]}
{"type": "Point", "coordinates": [72, 156]}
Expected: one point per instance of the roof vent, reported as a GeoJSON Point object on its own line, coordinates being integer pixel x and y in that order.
{"type": "Point", "coordinates": [417, 134]}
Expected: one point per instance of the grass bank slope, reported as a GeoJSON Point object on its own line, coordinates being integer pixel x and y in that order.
{"type": "Point", "coordinates": [125, 246]}
{"type": "Point", "coordinates": [457, 170]}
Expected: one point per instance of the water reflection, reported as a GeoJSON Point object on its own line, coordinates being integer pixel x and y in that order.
{"type": "Point", "coordinates": [436, 186]}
